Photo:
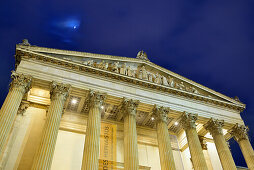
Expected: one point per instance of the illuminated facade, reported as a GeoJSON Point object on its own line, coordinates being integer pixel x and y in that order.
{"type": "Point", "coordinates": [73, 110]}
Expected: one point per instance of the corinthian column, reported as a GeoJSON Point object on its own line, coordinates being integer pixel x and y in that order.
{"type": "Point", "coordinates": [240, 135]}
{"type": "Point", "coordinates": [19, 86]}
{"type": "Point", "coordinates": [188, 122]}
{"type": "Point", "coordinates": [92, 141]}
{"type": "Point", "coordinates": [165, 150]}
{"type": "Point", "coordinates": [45, 152]}
{"type": "Point", "coordinates": [214, 126]}
{"type": "Point", "coordinates": [130, 135]}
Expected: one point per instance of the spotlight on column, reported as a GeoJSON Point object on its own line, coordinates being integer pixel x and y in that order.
{"type": "Point", "coordinates": [74, 101]}
{"type": "Point", "coordinates": [176, 123]}
{"type": "Point", "coordinates": [152, 118]}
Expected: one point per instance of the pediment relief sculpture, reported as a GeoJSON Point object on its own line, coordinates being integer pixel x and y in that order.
{"type": "Point", "coordinates": [141, 72]}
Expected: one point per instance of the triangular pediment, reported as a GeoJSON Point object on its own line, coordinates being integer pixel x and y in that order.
{"type": "Point", "coordinates": [140, 69]}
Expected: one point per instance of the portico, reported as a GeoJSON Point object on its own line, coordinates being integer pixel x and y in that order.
{"type": "Point", "coordinates": [159, 115]}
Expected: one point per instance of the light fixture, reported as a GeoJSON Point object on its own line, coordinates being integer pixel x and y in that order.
{"type": "Point", "coordinates": [74, 101]}
{"type": "Point", "coordinates": [176, 123]}
{"type": "Point", "coordinates": [152, 118]}
{"type": "Point", "coordinates": [102, 107]}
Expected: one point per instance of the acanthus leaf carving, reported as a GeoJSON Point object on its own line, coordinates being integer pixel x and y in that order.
{"type": "Point", "coordinates": [21, 81]}
{"type": "Point", "coordinates": [239, 132]}
{"type": "Point", "coordinates": [214, 126]}
{"type": "Point", "coordinates": [188, 120]}
{"type": "Point", "coordinates": [129, 106]}
{"type": "Point", "coordinates": [96, 98]}
{"type": "Point", "coordinates": [161, 113]}
{"type": "Point", "coordinates": [59, 90]}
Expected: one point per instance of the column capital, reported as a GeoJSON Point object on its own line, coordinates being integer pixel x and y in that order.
{"type": "Point", "coordinates": [96, 98]}
{"type": "Point", "coordinates": [161, 113]}
{"type": "Point", "coordinates": [214, 126]}
{"type": "Point", "coordinates": [239, 132]}
{"type": "Point", "coordinates": [20, 81]}
{"type": "Point", "coordinates": [59, 89]}
{"type": "Point", "coordinates": [188, 120]}
{"type": "Point", "coordinates": [129, 106]}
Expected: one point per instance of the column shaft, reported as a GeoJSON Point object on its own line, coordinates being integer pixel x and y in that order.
{"type": "Point", "coordinates": [240, 134]}
{"type": "Point", "coordinates": [196, 151]}
{"type": "Point", "coordinates": [19, 86]}
{"type": "Point", "coordinates": [165, 150]}
{"type": "Point", "coordinates": [131, 161]}
{"type": "Point", "coordinates": [248, 152]}
{"type": "Point", "coordinates": [44, 155]}
{"type": "Point", "coordinates": [226, 159]}
{"type": "Point", "coordinates": [92, 140]}
{"type": "Point", "coordinates": [188, 122]}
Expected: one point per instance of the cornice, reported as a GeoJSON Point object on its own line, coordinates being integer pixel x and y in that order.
{"type": "Point", "coordinates": [26, 53]}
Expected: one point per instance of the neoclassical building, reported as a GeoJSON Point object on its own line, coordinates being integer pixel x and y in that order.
{"type": "Point", "coordinates": [69, 110]}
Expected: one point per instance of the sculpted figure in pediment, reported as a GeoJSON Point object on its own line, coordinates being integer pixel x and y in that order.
{"type": "Point", "coordinates": [157, 78]}
{"type": "Point", "coordinates": [123, 69]}
{"type": "Point", "coordinates": [115, 67]}
{"type": "Point", "coordinates": [150, 77]}
{"type": "Point", "coordinates": [88, 63]}
{"type": "Point", "coordinates": [195, 90]}
{"type": "Point", "coordinates": [144, 73]}
{"type": "Point", "coordinates": [164, 81]}
{"type": "Point", "coordinates": [105, 66]}
{"type": "Point", "coordinates": [182, 86]}
{"type": "Point", "coordinates": [129, 71]}
{"type": "Point", "coordinates": [140, 74]}
{"type": "Point", "coordinates": [101, 65]}
{"type": "Point", "coordinates": [177, 85]}
{"type": "Point", "coordinates": [171, 81]}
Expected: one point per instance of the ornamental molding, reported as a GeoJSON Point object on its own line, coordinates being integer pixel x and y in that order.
{"type": "Point", "coordinates": [239, 132]}
{"type": "Point", "coordinates": [214, 126]}
{"type": "Point", "coordinates": [59, 91]}
{"type": "Point", "coordinates": [188, 120]}
{"type": "Point", "coordinates": [132, 70]}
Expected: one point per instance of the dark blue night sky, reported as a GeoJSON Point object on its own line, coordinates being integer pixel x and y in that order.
{"type": "Point", "coordinates": [210, 42]}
